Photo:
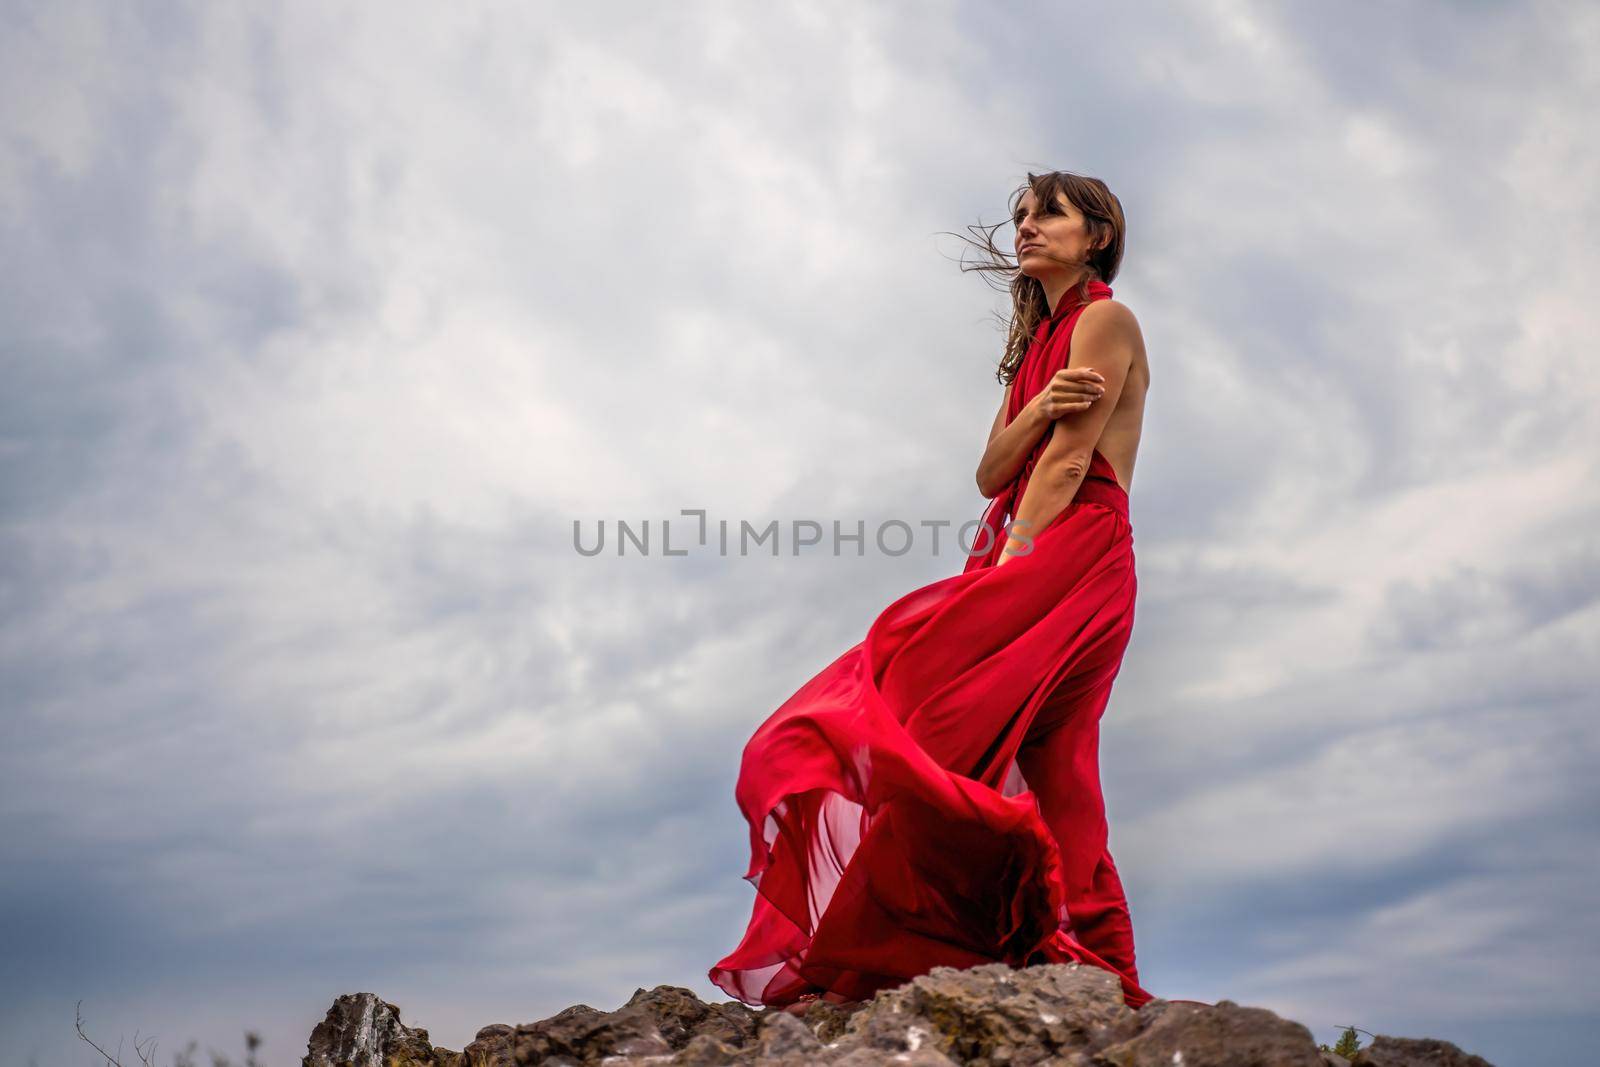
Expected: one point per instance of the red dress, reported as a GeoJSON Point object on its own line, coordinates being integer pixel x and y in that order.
{"type": "Point", "coordinates": [932, 797]}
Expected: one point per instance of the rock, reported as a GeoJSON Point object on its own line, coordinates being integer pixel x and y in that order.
{"type": "Point", "coordinates": [660, 1022]}
{"type": "Point", "coordinates": [582, 1035]}
{"type": "Point", "coordinates": [995, 1014]}
{"type": "Point", "coordinates": [703, 1050]}
{"type": "Point", "coordinates": [826, 1019]}
{"type": "Point", "coordinates": [679, 1015]}
{"type": "Point", "coordinates": [866, 1057]}
{"type": "Point", "coordinates": [1219, 1035]}
{"type": "Point", "coordinates": [1388, 1051]}
{"type": "Point", "coordinates": [785, 1039]}
{"type": "Point", "coordinates": [363, 1030]}
{"type": "Point", "coordinates": [1064, 1015]}
{"type": "Point", "coordinates": [493, 1047]}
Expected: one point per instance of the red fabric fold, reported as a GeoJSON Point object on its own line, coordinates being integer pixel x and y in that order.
{"type": "Point", "coordinates": [932, 797]}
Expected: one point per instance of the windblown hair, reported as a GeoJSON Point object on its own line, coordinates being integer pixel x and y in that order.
{"type": "Point", "coordinates": [1102, 213]}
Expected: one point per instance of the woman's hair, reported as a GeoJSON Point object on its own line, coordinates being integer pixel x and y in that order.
{"type": "Point", "coordinates": [1102, 213]}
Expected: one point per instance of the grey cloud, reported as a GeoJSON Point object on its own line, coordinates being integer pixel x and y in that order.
{"type": "Point", "coordinates": [319, 329]}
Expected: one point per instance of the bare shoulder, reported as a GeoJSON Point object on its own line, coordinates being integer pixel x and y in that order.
{"type": "Point", "coordinates": [1110, 330]}
{"type": "Point", "coordinates": [1112, 316]}
{"type": "Point", "coordinates": [1111, 324]}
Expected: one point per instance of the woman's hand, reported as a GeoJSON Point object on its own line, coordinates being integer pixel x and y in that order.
{"type": "Point", "coordinates": [1071, 389]}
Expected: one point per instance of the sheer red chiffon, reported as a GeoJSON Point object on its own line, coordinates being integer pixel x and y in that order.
{"type": "Point", "coordinates": [932, 797]}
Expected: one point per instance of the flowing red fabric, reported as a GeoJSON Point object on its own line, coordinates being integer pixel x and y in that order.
{"type": "Point", "coordinates": [932, 797]}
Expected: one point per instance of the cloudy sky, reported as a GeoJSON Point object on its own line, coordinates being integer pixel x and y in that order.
{"type": "Point", "coordinates": [323, 323]}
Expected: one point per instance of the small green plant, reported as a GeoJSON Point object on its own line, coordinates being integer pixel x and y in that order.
{"type": "Point", "coordinates": [1348, 1044]}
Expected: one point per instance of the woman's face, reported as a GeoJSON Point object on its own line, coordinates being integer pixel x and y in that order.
{"type": "Point", "coordinates": [1050, 240]}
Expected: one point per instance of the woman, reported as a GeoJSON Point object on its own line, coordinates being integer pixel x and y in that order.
{"type": "Point", "coordinates": [932, 797]}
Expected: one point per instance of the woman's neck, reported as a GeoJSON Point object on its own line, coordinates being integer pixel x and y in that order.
{"type": "Point", "coordinates": [1055, 289]}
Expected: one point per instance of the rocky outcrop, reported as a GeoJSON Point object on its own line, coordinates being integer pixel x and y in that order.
{"type": "Point", "coordinates": [1057, 1014]}
{"type": "Point", "coordinates": [363, 1030]}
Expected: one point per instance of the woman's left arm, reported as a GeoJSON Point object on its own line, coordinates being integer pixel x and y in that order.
{"type": "Point", "coordinates": [1106, 338]}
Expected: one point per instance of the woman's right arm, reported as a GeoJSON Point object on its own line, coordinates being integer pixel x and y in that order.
{"type": "Point", "coordinates": [1010, 445]}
